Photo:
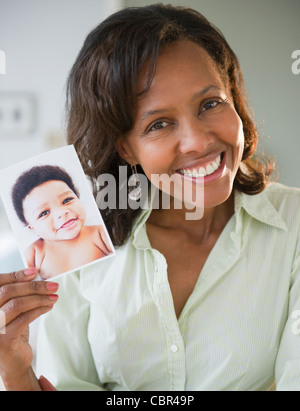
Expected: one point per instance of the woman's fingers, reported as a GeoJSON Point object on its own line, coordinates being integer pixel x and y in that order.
{"type": "Point", "coordinates": [46, 384]}
{"type": "Point", "coordinates": [20, 324]}
{"type": "Point", "coordinates": [11, 291]}
{"type": "Point", "coordinates": [25, 275]}
{"type": "Point", "coordinates": [23, 300]}
{"type": "Point", "coordinates": [19, 306]}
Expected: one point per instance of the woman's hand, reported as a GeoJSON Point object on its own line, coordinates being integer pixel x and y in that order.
{"type": "Point", "coordinates": [21, 302]}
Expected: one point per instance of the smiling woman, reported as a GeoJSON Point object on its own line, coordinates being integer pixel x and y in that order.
{"type": "Point", "coordinates": [184, 305]}
{"type": "Point", "coordinates": [186, 122]}
{"type": "Point", "coordinates": [131, 58]}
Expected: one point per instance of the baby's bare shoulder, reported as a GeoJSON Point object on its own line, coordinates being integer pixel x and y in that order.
{"type": "Point", "coordinates": [39, 244]}
{"type": "Point", "coordinates": [93, 229]}
{"type": "Point", "coordinates": [34, 252]}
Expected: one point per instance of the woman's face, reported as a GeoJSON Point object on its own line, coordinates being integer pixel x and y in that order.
{"type": "Point", "coordinates": [54, 212]}
{"type": "Point", "coordinates": [186, 124]}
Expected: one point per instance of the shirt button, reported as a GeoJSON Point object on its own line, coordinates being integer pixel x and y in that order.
{"type": "Point", "coordinates": [174, 348]}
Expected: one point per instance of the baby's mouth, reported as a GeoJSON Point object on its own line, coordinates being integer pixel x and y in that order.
{"type": "Point", "coordinates": [69, 224]}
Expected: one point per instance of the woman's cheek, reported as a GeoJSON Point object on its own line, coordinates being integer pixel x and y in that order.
{"type": "Point", "coordinates": [157, 157]}
{"type": "Point", "coordinates": [233, 135]}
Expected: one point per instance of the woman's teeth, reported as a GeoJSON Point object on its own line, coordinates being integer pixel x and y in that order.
{"type": "Point", "coordinates": [202, 171]}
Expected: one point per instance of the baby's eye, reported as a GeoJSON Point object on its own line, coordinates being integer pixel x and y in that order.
{"type": "Point", "coordinates": [67, 200]}
{"type": "Point", "coordinates": [44, 213]}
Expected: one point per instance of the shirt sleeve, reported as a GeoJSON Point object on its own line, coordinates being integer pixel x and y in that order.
{"type": "Point", "coordinates": [287, 370]}
{"type": "Point", "coordinates": [63, 352]}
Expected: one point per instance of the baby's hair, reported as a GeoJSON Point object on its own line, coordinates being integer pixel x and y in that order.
{"type": "Point", "coordinates": [33, 178]}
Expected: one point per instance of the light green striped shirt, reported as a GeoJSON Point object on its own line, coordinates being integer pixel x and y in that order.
{"type": "Point", "coordinates": [114, 326]}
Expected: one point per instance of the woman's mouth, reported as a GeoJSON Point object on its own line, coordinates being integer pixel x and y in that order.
{"type": "Point", "coordinates": [212, 168]}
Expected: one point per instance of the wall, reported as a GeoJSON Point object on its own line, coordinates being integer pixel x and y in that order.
{"type": "Point", "coordinates": [41, 39]}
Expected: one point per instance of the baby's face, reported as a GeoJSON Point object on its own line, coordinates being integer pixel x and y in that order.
{"type": "Point", "coordinates": [54, 212]}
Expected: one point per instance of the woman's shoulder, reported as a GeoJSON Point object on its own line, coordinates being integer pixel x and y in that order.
{"type": "Point", "coordinates": [277, 205]}
{"type": "Point", "coordinates": [281, 189]}
{"type": "Point", "coordinates": [286, 201]}
{"type": "Point", "coordinates": [280, 194]}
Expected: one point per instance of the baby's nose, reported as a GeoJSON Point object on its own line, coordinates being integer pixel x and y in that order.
{"type": "Point", "coordinates": [61, 212]}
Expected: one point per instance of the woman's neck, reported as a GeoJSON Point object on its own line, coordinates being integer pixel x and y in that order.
{"type": "Point", "coordinates": [213, 220]}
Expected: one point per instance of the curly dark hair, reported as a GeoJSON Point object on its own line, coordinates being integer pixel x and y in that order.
{"type": "Point", "coordinates": [33, 178]}
{"type": "Point", "coordinates": [102, 92]}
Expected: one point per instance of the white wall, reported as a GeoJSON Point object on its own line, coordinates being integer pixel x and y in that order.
{"type": "Point", "coordinates": [41, 39]}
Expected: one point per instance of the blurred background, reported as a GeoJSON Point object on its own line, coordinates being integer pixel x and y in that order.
{"type": "Point", "coordinates": [41, 38]}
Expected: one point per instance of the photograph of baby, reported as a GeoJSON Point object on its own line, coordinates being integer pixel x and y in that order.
{"type": "Point", "coordinates": [53, 213]}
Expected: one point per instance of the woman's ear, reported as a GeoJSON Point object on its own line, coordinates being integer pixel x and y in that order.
{"type": "Point", "coordinates": [125, 151]}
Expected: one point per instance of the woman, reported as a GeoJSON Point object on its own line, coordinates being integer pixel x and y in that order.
{"type": "Point", "coordinates": [207, 304]}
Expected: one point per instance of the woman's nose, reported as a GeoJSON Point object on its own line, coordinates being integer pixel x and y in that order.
{"type": "Point", "coordinates": [194, 137]}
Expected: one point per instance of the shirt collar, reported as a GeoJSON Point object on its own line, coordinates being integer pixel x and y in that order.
{"type": "Point", "coordinates": [257, 206]}
{"type": "Point", "coordinates": [139, 234]}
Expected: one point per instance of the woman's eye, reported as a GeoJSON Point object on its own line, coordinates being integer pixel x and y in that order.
{"type": "Point", "coordinates": [158, 126]}
{"type": "Point", "coordinates": [212, 104]}
{"type": "Point", "coordinates": [209, 105]}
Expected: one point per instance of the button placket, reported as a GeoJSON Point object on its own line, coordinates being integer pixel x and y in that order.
{"type": "Point", "coordinates": [175, 352]}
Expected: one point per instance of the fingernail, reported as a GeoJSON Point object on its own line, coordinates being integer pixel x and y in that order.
{"type": "Point", "coordinates": [53, 297]}
{"type": "Point", "coordinates": [30, 271]}
{"type": "Point", "coordinates": [52, 286]}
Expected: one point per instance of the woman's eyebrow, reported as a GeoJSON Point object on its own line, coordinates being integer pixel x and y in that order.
{"type": "Point", "coordinates": [199, 94]}
{"type": "Point", "coordinates": [153, 113]}
{"type": "Point", "coordinates": [205, 90]}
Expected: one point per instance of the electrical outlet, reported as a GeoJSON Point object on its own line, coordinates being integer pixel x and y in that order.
{"type": "Point", "coordinates": [16, 113]}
